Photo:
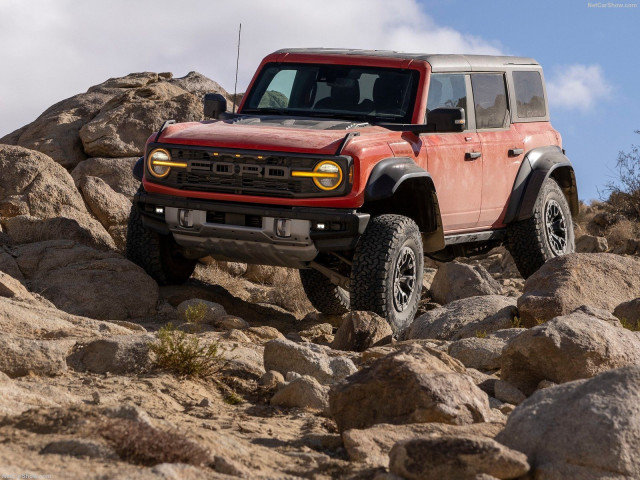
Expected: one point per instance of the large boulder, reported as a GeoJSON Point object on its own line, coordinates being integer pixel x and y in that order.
{"type": "Point", "coordinates": [118, 354]}
{"type": "Point", "coordinates": [362, 330]}
{"type": "Point", "coordinates": [109, 207]}
{"type": "Point", "coordinates": [591, 244]}
{"type": "Point", "coordinates": [303, 392]}
{"type": "Point", "coordinates": [408, 386]}
{"type": "Point", "coordinates": [124, 123]}
{"type": "Point", "coordinates": [567, 348]}
{"type": "Point", "coordinates": [561, 285]}
{"type": "Point", "coordinates": [587, 429]}
{"type": "Point", "coordinates": [460, 457]}
{"type": "Point", "coordinates": [115, 172]}
{"type": "Point", "coordinates": [454, 281]}
{"type": "Point", "coordinates": [286, 356]}
{"type": "Point", "coordinates": [372, 445]}
{"type": "Point", "coordinates": [464, 318]}
{"type": "Point", "coordinates": [42, 194]}
{"type": "Point", "coordinates": [87, 282]}
{"type": "Point", "coordinates": [134, 106]}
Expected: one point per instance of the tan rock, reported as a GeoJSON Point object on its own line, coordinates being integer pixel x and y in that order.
{"type": "Point", "coordinates": [408, 386]}
{"type": "Point", "coordinates": [109, 207]}
{"type": "Point", "coordinates": [454, 281]}
{"type": "Point", "coordinates": [362, 330]}
{"type": "Point", "coordinates": [561, 285]}
{"type": "Point", "coordinates": [115, 172]}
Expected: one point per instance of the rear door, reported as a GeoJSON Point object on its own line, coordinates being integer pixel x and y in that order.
{"type": "Point", "coordinates": [454, 159]}
{"type": "Point", "coordinates": [502, 147]}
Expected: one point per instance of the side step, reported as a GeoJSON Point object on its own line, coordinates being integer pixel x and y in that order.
{"type": "Point", "coordinates": [475, 237]}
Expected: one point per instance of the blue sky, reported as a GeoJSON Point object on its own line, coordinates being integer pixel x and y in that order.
{"type": "Point", "coordinates": [53, 49]}
{"type": "Point", "coordinates": [559, 34]}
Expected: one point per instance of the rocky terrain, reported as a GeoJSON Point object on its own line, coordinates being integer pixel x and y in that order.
{"type": "Point", "coordinates": [495, 378]}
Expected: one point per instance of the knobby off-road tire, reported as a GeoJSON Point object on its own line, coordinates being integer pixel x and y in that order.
{"type": "Point", "coordinates": [547, 234]}
{"type": "Point", "coordinates": [324, 295]}
{"type": "Point", "coordinates": [157, 254]}
{"type": "Point", "coordinates": [386, 276]}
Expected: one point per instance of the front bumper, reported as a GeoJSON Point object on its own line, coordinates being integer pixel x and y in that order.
{"type": "Point", "coordinates": [260, 234]}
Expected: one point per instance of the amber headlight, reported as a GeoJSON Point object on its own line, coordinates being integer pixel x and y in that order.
{"type": "Point", "coordinates": [160, 163]}
{"type": "Point", "coordinates": [327, 175]}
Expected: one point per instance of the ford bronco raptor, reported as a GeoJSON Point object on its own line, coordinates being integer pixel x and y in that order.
{"type": "Point", "coordinates": [350, 166]}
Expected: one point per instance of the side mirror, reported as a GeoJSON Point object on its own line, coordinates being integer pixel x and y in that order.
{"type": "Point", "coordinates": [446, 119]}
{"type": "Point", "coordinates": [214, 105]}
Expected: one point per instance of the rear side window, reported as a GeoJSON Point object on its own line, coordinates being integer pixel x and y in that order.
{"type": "Point", "coordinates": [490, 98]}
{"type": "Point", "coordinates": [529, 94]}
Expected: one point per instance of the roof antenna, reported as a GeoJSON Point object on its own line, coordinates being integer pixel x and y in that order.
{"type": "Point", "coordinates": [235, 87]}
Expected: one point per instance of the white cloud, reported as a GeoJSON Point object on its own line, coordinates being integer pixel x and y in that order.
{"type": "Point", "coordinates": [54, 49]}
{"type": "Point", "coordinates": [577, 87]}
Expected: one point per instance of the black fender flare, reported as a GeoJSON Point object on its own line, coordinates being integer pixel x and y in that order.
{"type": "Point", "coordinates": [138, 168]}
{"type": "Point", "coordinates": [400, 177]}
{"type": "Point", "coordinates": [538, 165]}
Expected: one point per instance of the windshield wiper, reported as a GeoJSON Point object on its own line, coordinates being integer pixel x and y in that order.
{"type": "Point", "coordinates": [274, 111]}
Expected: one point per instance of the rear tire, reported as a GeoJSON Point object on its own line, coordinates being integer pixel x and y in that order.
{"type": "Point", "coordinates": [159, 255]}
{"type": "Point", "coordinates": [386, 276]}
{"type": "Point", "coordinates": [547, 234]}
{"type": "Point", "coordinates": [324, 296]}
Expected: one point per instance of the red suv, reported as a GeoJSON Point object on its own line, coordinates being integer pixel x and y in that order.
{"type": "Point", "coordinates": [350, 165]}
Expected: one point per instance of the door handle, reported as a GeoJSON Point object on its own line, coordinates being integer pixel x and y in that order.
{"type": "Point", "coordinates": [472, 155]}
{"type": "Point", "coordinates": [514, 152]}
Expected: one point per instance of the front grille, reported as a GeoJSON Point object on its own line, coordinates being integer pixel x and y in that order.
{"type": "Point", "coordinates": [246, 173]}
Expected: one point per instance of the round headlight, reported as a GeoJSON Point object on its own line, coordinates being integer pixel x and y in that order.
{"type": "Point", "coordinates": [158, 160]}
{"type": "Point", "coordinates": [329, 175]}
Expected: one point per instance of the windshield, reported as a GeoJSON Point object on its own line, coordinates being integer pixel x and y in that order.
{"type": "Point", "coordinates": [369, 94]}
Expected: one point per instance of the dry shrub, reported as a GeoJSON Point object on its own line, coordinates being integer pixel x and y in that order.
{"type": "Point", "coordinates": [624, 194]}
{"type": "Point", "coordinates": [215, 275]}
{"type": "Point", "coordinates": [142, 444]}
{"type": "Point", "coordinates": [618, 234]}
{"type": "Point", "coordinates": [183, 354]}
{"type": "Point", "coordinates": [287, 292]}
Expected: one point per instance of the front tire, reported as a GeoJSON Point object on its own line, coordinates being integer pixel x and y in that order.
{"type": "Point", "coordinates": [386, 276]}
{"type": "Point", "coordinates": [547, 234]}
{"type": "Point", "coordinates": [158, 255]}
{"type": "Point", "coordinates": [324, 296]}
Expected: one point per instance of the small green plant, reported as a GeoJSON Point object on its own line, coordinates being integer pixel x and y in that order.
{"type": "Point", "coordinates": [540, 321]}
{"type": "Point", "coordinates": [516, 321]}
{"type": "Point", "coordinates": [195, 313]}
{"type": "Point", "coordinates": [633, 326]}
{"type": "Point", "coordinates": [481, 333]}
{"type": "Point", "coordinates": [233, 399]}
{"type": "Point", "coordinates": [183, 354]}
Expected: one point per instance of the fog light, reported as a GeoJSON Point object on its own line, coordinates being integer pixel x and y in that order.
{"type": "Point", "coordinates": [160, 210]}
{"type": "Point", "coordinates": [320, 226]}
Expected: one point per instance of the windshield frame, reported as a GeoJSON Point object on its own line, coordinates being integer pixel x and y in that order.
{"type": "Point", "coordinates": [415, 79]}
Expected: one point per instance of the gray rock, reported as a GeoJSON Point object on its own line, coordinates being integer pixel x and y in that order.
{"type": "Point", "coordinates": [119, 354]}
{"type": "Point", "coordinates": [109, 207]}
{"type": "Point", "coordinates": [198, 310]}
{"type": "Point", "coordinates": [20, 356]}
{"type": "Point", "coordinates": [587, 429]}
{"type": "Point", "coordinates": [372, 445]}
{"type": "Point", "coordinates": [286, 356]}
{"type": "Point", "coordinates": [408, 386]}
{"type": "Point", "coordinates": [567, 348]}
{"type": "Point", "coordinates": [80, 447]}
{"type": "Point", "coordinates": [272, 379]}
{"type": "Point", "coordinates": [479, 353]}
{"type": "Point", "coordinates": [464, 318]}
{"type": "Point", "coordinates": [362, 330]}
{"type": "Point", "coordinates": [454, 281]}
{"type": "Point", "coordinates": [304, 392]}
{"type": "Point", "coordinates": [505, 392]}
{"type": "Point", "coordinates": [629, 313]}
{"type": "Point", "coordinates": [87, 282]}
{"type": "Point", "coordinates": [559, 286]}
{"type": "Point", "coordinates": [591, 244]}
{"type": "Point", "coordinates": [459, 457]}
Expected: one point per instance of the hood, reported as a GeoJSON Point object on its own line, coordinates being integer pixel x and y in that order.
{"type": "Point", "coordinates": [286, 134]}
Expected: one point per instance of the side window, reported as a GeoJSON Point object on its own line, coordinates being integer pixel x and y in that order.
{"type": "Point", "coordinates": [448, 91]}
{"type": "Point", "coordinates": [529, 94]}
{"type": "Point", "coordinates": [490, 98]}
